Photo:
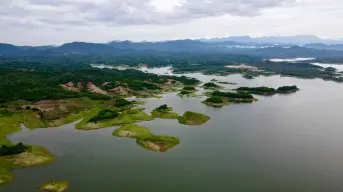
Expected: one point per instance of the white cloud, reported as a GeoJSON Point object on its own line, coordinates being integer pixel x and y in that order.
{"type": "Point", "coordinates": [59, 21]}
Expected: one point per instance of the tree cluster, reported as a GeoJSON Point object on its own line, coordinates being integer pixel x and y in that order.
{"type": "Point", "coordinates": [104, 115]}
{"type": "Point", "coordinates": [13, 150]}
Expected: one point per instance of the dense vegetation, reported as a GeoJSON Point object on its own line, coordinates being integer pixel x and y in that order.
{"type": "Point", "coordinates": [188, 88]}
{"type": "Point", "coordinates": [162, 108]}
{"type": "Point", "coordinates": [267, 90]}
{"type": "Point", "coordinates": [12, 150]}
{"type": "Point", "coordinates": [34, 81]}
{"type": "Point", "coordinates": [232, 95]}
{"type": "Point", "coordinates": [214, 100]}
{"type": "Point", "coordinates": [257, 90]}
{"type": "Point", "coordinates": [104, 115]}
{"type": "Point", "coordinates": [120, 102]}
{"type": "Point", "coordinates": [287, 89]}
{"type": "Point", "coordinates": [210, 84]}
{"type": "Point", "coordinates": [184, 92]}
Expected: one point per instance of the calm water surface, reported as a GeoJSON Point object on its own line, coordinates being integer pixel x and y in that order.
{"type": "Point", "coordinates": [283, 143]}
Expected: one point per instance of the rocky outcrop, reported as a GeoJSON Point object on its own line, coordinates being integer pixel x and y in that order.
{"type": "Point", "coordinates": [94, 89]}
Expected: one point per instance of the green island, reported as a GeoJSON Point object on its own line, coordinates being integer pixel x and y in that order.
{"type": "Point", "coordinates": [188, 91]}
{"type": "Point", "coordinates": [20, 156]}
{"type": "Point", "coordinates": [233, 97]}
{"type": "Point", "coordinates": [55, 186]}
{"type": "Point", "coordinates": [211, 85]}
{"type": "Point", "coordinates": [158, 143]}
{"type": "Point", "coordinates": [146, 139]}
{"type": "Point", "coordinates": [288, 89]}
{"type": "Point", "coordinates": [227, 83]}
{"type": "Point", "coordinates": [132, 131]}
{"type": "Point", "coordinates": [164, 112]}
{"type": "Point", "coordinates": [267, 90]}
{"type": "Point", "coordinates": [193, 118]}
{"type": "Point", "coordinates": [215, 102]}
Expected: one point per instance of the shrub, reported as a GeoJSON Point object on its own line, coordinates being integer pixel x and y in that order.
{"type": "Point", "coordinates": [120, 102]}
{"type": "Point", "coordinates": [210, 84]}
{"type": "Point", "coordinates": [162, 107]}
{"type": "Point", "coordinates": [189, 88]}
{"type": "Point", "coordinates": [35, 109]}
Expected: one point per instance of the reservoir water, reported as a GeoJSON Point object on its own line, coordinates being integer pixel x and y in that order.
{"type": "Point", "coordinates": [282, 143]}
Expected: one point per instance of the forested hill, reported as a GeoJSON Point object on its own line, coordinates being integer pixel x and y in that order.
{"type": "Point", "coordinates": [37, 81]}
{"type": "Point", "coordinates": [121, 48]}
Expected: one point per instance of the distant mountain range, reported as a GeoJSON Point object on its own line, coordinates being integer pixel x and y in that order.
{"type": "Point", "coordinates": [265, 47]}
{"type": "Point", "coordinates": [280, 40]}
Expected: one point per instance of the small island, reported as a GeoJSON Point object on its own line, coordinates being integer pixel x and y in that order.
{"type": "Point", "coordinates": [55, 186]}
{"type": "Point", "coordinates": [145, 138]}
{"type": "Point", "coordinates": [211, 85]}
{"type": "Point", "coordinates": [257, 90]}
{"type": "Point", "coordinates": [288, 89]}
{"type": "Point", "coordinates": [227, 83]}
{"type": "Point", "coordinates": [234, 97]}
{"type": "Point", "coordinates": [192, 118]}
{"type": "Point", "coordinates": [132, 131]}
{"type": "Point", "coordinates": [267, 90]}
{"type": "Point", "coordinates": [188, 90]}
{"type": "Point", "coordinates": [215, 102]}
{"type": "Point", "coordinates": [21, 156]}
{"type": "Point", "coordinates": [158, 143]}
{"type": "Point", "coordinates": [164, 112]}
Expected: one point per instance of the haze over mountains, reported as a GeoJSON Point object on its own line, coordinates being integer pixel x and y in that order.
{"type": "Point", "coordinates": [266, 47]}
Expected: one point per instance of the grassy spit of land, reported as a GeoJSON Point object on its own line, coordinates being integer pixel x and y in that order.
{"type": "Point", "coordinates": [146, 139]}
{"type": "Point", "coordinates": [33, 156]}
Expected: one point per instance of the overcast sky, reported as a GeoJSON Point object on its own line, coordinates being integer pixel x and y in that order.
{"type": "Point", "coordinates": [42, 22]}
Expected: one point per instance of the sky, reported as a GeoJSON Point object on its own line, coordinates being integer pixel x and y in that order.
{"type": "Point", "coordinates": [54, 22]}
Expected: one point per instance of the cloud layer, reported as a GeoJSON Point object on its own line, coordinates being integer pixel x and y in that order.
{"type": "Point", "coordinates": [37, 22]}
{"type": "Point", "coordinates": [129, 12]}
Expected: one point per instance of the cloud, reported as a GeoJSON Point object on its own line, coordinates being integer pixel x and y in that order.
{"type": "Point", "coordinates": [39, 22]}
{"type": "Point", "coordinates": [128, 12]}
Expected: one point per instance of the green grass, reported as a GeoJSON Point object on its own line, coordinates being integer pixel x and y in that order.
{"type": "Point", "coordinates": [9, 124]}
{"type": "Point", "coordinates": [145, 138]}
{"type": "Point", "coordinates": [132, 131]}
{"type": "Point", "coordinates": [192, 118]}
{"type": "Point", "coordinates": [55, 186]}
{"type": "Point", "coordinates": [158, 143]}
